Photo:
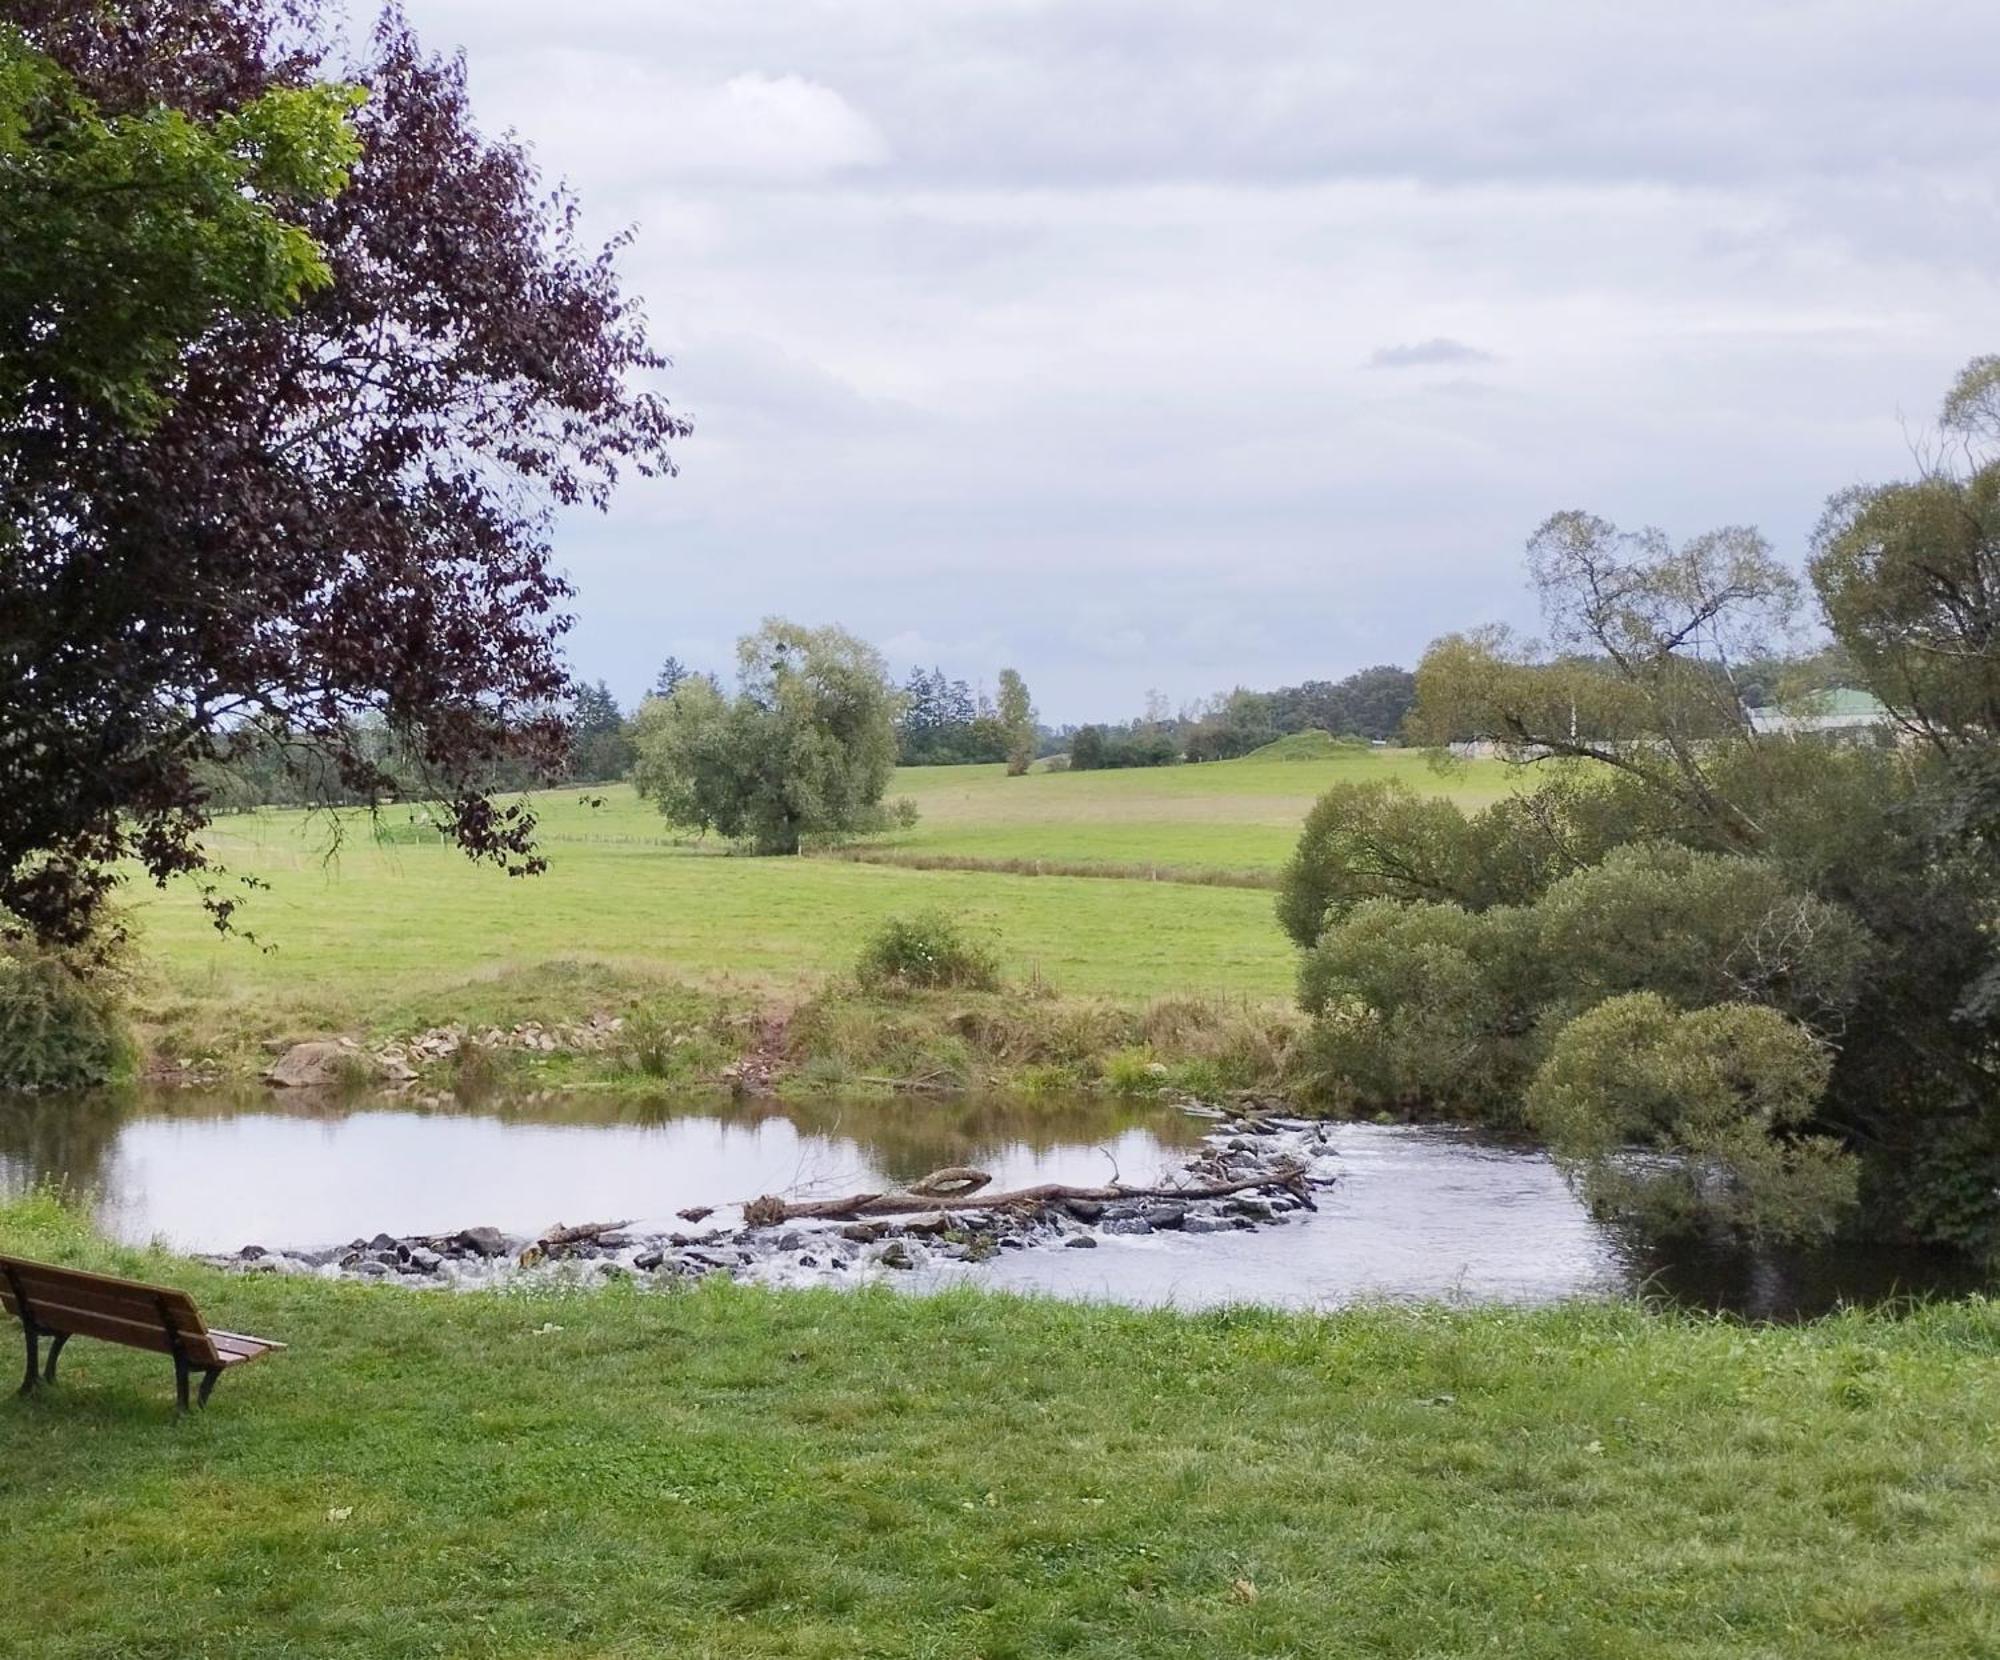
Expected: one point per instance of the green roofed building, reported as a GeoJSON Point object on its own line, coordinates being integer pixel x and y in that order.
{"type": "Point", "coordinates": [1841, 710]}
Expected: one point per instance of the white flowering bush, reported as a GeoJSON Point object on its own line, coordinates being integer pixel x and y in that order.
{"type": "Point", "coordinates": [925, 951]}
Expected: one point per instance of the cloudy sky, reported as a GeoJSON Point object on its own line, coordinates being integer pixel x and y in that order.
{"type": "Point", "coordinates": [1184, 343]}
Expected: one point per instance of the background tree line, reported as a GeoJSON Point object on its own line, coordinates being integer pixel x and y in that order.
{"type": "Point", "coordinates": [1370, 704]}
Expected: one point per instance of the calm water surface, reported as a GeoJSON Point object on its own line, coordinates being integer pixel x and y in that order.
{"type": "Point", "coordinates": [1418, 1213]}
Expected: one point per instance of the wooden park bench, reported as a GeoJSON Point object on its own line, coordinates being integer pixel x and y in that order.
{"type": "Point", "coordinates": [61, 1303]}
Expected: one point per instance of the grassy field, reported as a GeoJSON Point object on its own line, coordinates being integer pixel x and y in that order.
{"type": "Point", "coordinates": [399, 930]}
{"type": "Point", "coordinates": [1232, 815]}
{"type": "Point", "coordinates": [731, 1473]}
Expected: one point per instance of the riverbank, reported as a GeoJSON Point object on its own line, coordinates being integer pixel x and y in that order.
{"type": "Point", "coordinates": [585, 1023]}
{"type": "Point", "coordinates": [732, 1471]}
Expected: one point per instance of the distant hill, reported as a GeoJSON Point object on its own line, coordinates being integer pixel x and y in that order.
{"type": "Point", "coordinates": [1307, 746]}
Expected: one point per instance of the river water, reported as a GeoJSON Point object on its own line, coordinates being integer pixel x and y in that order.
{"type": "Point", "coordinates": [1418, 1213]}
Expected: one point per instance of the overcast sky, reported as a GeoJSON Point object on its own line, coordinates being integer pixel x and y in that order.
{"type": "Point", "coordinates": [1174, 344]}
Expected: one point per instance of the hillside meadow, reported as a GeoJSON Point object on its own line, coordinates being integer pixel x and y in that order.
{"type": "Point", "coordinates": [380, 926]}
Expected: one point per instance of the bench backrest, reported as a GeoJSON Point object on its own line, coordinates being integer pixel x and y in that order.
{"type": "Point", "coordinates": [82, 1304]}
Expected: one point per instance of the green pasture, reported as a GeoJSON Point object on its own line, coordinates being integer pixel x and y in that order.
{"type": "Point", "coordinates": [829, 1476]}
{"type": "Point", "coordinates": [1236, 815]}
{"type": "Point", "coordinates": [361, 920]}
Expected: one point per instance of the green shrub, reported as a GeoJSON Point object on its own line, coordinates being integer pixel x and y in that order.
{"type": "Point", "coordinates": [680, 1036]}
{"type": "Point", "coordinates": [1134, 1072]}
{"type": "Point", "coordinates": [1722, 1092]}
{"type": "Point", "coordinates": [1423, 1005]}
{"type": "Point", "coordinates": [927, 950]}
{"type": "Point", "coordinates": [59, 1026]}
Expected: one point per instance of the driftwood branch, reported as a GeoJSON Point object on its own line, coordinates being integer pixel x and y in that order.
{"type": "Point", "coordinates": [560, 1238]}
{"type": "Point", "coordinates": [771, 1209]}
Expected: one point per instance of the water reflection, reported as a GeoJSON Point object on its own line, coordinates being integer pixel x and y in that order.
{"type": "Point", "coordinates": [217, 1172]}
{"type": "Point", "coordinates": [1418, 1213]}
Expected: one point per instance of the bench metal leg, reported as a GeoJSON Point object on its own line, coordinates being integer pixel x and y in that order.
{"type": "Point", "coordinates": [208, 1377]}
{"type": "Point", "coordinates": [33, 1335]}
{"type": "Point", "coordinates": [180, 1384]}
{"type": "Point", "coordinates": [56, 1343]}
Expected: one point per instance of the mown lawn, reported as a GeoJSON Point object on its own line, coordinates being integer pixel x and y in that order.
{"type": "Point", "coordinates": [729, 1473]}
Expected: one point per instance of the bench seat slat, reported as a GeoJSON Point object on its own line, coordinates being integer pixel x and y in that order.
{"type": "Point", "coordinates": [233, 1348]}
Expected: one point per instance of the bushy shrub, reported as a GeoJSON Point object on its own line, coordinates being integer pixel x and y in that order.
{"type": "Point", "coordinates": [1699, 928]}
{"type": "Point", "coordinates": [1135, 1072]}
{"type": "Point", "coordinates": [674, 1039]}
{"type": "Point", "coordinates": [59, 1026]}
{"type": "Point", "coordinates": [925, 951]}
{"type": "Point", "coordinates": [1723, 1092]}
{"type": "Point", "coordinates": [1382, 840]}
{"type": "Point", "coordinates": [1428, 1005]}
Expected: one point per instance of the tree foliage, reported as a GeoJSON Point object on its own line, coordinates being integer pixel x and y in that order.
{"type": "Point", "coordinates": [1775, 955]}
{"type": "Point", "coordinates": [1724, 1092]}
{"type": "Point", "coordinates": [124, 237]}
{"type": "Point", "coordinates": [804, 749]}
{"type": "Point", "coordinates": [338, 513]}
{"type": "Point", "coordinates": [1017, 722]}
{"type": "Point", "coordinates": [944, 724]}
{"type": "Point", "coordinates": [601, 749]}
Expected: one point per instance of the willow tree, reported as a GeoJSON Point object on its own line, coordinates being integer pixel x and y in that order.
{"type": "Point", "coordinates": [804, 748]}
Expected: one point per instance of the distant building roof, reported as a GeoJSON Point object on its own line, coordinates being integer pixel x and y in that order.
{"type": "Point", "coordinates": [1841, 708]}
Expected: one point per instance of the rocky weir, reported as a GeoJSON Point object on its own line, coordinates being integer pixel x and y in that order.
{"type": "Point", "coordinates": [1253, 1169]}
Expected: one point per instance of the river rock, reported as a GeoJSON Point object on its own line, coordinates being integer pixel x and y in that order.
{"type": "Point", "coordinates": [1167, 1216]}
{"type": "Point", "coordinates": [1195, 1223]}
{"type": "Point", "coordinates": [896, 1254]}
{"type": "Point", "coordinates": [317, 1064]}
{"type": "Point", "coordinates": [1080, 1242]}
{"type": "Point", "coordinates": [485, 1242]}
{"type": "Point", "coordinates": [1128, 1224]}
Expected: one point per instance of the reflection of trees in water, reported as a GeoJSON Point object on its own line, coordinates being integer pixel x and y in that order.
{"type": "Point", "coordinates": [1766, 1282]}
{"type": "Point", "coordinates": [64, 1140]}
{"type": "Point", "coordinates": [72, 1138]}
{"type": "Point", "coordinates": [909, 1139]}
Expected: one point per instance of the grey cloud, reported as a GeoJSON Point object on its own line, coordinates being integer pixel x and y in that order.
{"type": "Point", "coordinates": [1060, 334]}
{"type": "Point", "coordinates": [1439, 351]}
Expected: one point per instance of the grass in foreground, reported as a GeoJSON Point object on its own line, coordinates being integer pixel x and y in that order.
{"type": "Point", "coordinates": [817, 1475]}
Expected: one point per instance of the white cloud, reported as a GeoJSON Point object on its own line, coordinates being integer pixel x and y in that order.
{"type": "Point", "coordinates": [625, 121]}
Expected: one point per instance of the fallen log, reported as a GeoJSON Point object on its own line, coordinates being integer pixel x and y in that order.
{"type": "Point", "coordinates": [560, 1238]}
{"type": "Point", "coordinates": [952, 1182]}
{"type": "Point", "coordinates": [771, 1209]}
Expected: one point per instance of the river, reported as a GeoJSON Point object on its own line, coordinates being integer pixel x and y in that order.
{"type": "Point", "coordinates": [1418, 1213]}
